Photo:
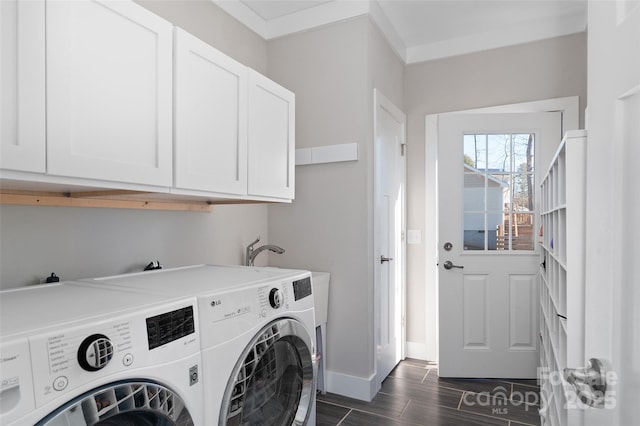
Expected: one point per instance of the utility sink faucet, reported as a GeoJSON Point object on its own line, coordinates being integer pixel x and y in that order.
{"type": "Point", "coordinates": [252, 253]}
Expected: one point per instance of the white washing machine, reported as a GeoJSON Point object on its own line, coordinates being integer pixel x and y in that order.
{"type": "Point", "coordinates": [76, 355]}
{"type": "Point", "coordinates": [257, 339]}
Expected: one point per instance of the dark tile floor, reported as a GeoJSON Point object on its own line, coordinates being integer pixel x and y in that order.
{"type": "Point", "coordinates": [414, 395]}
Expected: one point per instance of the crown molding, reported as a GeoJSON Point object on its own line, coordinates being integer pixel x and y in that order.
{"type": "Point", "coordinates": [340, 10]}
{"type": "Point", "coordinates": [533, 31]}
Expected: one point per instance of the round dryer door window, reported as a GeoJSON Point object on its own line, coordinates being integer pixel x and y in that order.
{"type": "Point", "coordinates": [273, 381]}
{"type": "Point", "coordinates": [136, 403]}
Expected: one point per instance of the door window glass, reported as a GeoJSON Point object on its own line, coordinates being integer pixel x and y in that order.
{"type": "Point", "coordinates": [499, 211]}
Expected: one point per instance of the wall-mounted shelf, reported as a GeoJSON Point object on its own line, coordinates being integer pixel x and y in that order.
{"type": "Point", "coordinates": [562, 276]}
{"type": "Point", "coordinates": [327, 154]}
{"type": "Point", "coordinates": [104, 199]}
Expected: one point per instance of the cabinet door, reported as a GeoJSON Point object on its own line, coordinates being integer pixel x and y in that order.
{"type": "Point", "coordinates": [211, 118]}
{"type": "Point", "coordinates": [109, 92]}
{"type": "Point", "coordinates": [22, 85]}
{"type": "Point", "coordinates": [271, 138]}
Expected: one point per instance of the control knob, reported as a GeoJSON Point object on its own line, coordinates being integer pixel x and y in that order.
{"type": "Point", "coordinates": [95, 352]}
{"type": "Point", "coordinates": [275, 298]}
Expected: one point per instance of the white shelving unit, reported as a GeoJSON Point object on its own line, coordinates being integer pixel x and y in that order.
{"type": "Point", "coordinates": [562, 277]}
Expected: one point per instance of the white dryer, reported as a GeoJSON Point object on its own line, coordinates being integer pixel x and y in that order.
{"type": "Point", "coordinates": [77, 355]}
{"type": "Point", "coordinates": [257, 339]}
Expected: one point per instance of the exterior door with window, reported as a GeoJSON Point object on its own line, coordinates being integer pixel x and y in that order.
{"type": "Point", "coordinates": [488, 166]}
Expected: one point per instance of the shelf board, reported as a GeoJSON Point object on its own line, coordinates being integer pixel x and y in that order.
{"type": "Point", "coordinates": [555, 208]}
{"type": "Point", "coordinates": [115, 199]}
{"type": "Point", "coordinates": [562, 263]}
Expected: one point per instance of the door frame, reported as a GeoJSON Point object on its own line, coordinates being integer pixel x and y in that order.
{"type": "Point", "coordinates": [379, 100]}
{"type": "Point", "coordinates": [567, 106]}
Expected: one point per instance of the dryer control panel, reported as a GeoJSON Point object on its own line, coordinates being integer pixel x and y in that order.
{"type": "Point", "coordinates": [301, 288]}
{"type": "Point", "coordinates": [229, 314]}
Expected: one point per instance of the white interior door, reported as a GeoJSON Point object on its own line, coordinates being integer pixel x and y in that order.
{"type": "Point", "coordinates": [612, 286]}
{"type": "Point", "coordinates": [389, 218]}
{"type": "Point", "coordinates": [487, 243]}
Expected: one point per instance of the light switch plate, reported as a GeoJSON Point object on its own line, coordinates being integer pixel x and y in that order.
{"type": "Point", "coordinates": [414, 236]}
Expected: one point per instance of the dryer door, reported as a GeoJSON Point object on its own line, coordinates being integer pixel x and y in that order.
{"type": "Point", "coordinates": [273, 382]}
{"type": "Point", "coordinates": [134, 403]}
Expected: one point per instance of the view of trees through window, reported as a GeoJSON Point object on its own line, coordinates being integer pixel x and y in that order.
{"type": "Point", "coordinates": [499, 212]}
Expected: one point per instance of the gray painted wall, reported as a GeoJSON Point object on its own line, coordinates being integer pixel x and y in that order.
{"type": "Point", "coordinates": [546, 69]}
{"type": "Point", "coordinates": [326, 228]}
{"type": "Point", "coordinates": [333, 71]}
{"type": "Point", "coordinates": [79, 243]}
{"type": "Point", "coordinates": [82, 242]}
{"type": "Point", "coordinates": [205, 20]}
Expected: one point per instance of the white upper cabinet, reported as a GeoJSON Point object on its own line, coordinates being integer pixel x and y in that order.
{"type": "Point", "coordinates": [106, 94]}
{"type": "Point", "coordinates": [210, 118]}
{"type": "Point", "coordinates": [234, 127]}
{"type": "Point", "coordinates": [109, 92]}
{"type": "Point", "coordinates": [22, 85]}
{"type": "Point", "coordinates": [271, 139]}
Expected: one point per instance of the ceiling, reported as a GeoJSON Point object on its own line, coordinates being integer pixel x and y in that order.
{"type": "Point", "coordinates": [421, 30]}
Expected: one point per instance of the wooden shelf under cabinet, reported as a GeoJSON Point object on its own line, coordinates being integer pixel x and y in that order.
{"type": "Point", "coordinates": [114, 199]}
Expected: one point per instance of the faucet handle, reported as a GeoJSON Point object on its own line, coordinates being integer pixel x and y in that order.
{"type": "Point", "coordinates": [254, 243]}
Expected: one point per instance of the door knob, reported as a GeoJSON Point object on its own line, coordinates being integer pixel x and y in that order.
{"type": "Point", "coordinates": [385, 259]}
{"type": "Point", "coordinates": [590, 382]}
{"type": "Point", "coordinates": [449, 265]}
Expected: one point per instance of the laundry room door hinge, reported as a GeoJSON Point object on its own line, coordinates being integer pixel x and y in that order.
{"type": "Point", "coordinates": [402, 148]}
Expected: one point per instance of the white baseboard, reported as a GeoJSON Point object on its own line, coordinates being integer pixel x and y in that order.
{"type": "Point", "coordinates": [351, 386]}
{"type": "Point", "coordinates": [415, 350]}
{"type": "Point", "coordinates": [365, 389]}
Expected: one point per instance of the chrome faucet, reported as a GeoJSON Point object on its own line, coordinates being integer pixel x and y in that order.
{"type": "Point", "coordinates": [251, 253]}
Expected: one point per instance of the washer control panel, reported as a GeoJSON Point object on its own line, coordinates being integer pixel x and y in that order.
{"type": "Point", "coordinates": [170, 326]}
{"type": "Point", "coordinates": [84, 352]}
